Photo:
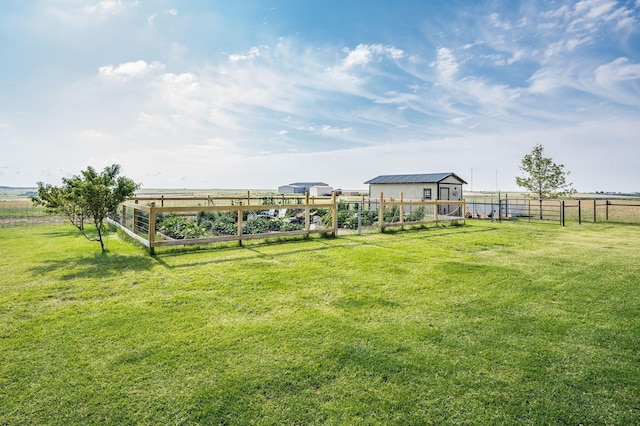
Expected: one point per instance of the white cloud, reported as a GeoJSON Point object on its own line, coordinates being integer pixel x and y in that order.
{"type": "Point", "coordinates": [254, 52]}
{"type": "Point", "coordinates": [364, 54]}
{"type": "Point", "coordinates": [446, 65]}
{"type": "Point", "coordinates": [497, 23]}
{"type": "Point", "coordinates": [619, 81]}
{"type": "Point", "coordinates": [171, 12]}
{"type": "Point", "coordinates": [109, 6]}
{"type": "Point", "coordinates": [84, 13]}
{"type": "Point", "coordinates": [544, 81]}
{"type": "Point", "coordinates": [129, 70]}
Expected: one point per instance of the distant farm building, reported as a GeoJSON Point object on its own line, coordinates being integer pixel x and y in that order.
{"type": "Point", "coordinates": [300, 187]}
{"type": "Point", "coordinates": [320, 191]}
{"type": "Point", "coordinates": [429, 186]}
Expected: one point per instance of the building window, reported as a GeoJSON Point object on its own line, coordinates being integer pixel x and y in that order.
{"type": "Point", "coordinates": [427, 193]}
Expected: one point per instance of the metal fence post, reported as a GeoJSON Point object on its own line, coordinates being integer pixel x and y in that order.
{"type": "Point", "coordinates": [506, 205]}
{"type": "Point", "coordinates": [360, 218]}
{"type": "Point", "coordinates": [562, 213]}
{"type": "Point", "coordinates": [579, 213]}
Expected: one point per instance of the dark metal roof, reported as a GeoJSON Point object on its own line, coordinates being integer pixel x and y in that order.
{"type": "Point", "coordinates": [419, 178]}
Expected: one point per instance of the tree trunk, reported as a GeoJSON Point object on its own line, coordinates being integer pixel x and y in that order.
{"type": "Point", "coordinates": [99, 229]}
{"type": "Point", "coordinates": [540, 209]}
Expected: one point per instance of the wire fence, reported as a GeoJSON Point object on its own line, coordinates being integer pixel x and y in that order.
{"type": "Point", "coordinates": [22, 212]}
{"type": "Point", "coordinates": [560, 211]}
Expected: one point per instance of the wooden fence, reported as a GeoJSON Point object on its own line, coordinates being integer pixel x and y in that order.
{"type": "Point", "coordinates": [141, 218]}
{"type": "Point", "coordinates": [140, 221]}
{"type": "Point", "coordinates": [400, 212]}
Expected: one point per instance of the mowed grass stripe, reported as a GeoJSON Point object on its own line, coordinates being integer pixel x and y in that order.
{"type": "Point", "coordinates": [481, 324]}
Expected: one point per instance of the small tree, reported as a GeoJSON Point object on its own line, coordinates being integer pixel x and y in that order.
{"type": "Point", "coordinates": [544, 178]}
{"type": "Point", "coordinates": [89, 196]}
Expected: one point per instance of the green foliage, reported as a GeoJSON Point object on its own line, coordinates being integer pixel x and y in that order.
{"type": "Point", "coordinates": [89, 196]}
{"type": "Point", "coordinates": [368, 218]}
{"type": "Point", "coordinates": [486, 324]}
{"type": "Point", "coordinates": [348, 219]}
{"type": "Point", "coordinates": [392, 214]}
{"type": "Point", "coordinates": [219, 223]}
{"type": "Point", "coordinates": [416, 215]}
{"type": "Point", "coordinates": [179, 228]}
{"type": "Point", "coordinates": [262, 225]}
{"type": "Point", "coordinates": [543, 178]}
{"type": "Point", "coordinates": [343, 206]}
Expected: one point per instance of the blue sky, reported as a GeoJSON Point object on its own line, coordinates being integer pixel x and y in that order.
{"type": "Point", "coordinates": [256, 94]}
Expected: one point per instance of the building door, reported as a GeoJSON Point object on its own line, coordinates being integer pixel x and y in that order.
{"type": "Point", "coordinates": [444, 195]}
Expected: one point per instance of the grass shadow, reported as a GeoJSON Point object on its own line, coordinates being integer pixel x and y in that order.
{"type": "Point", "coordinates": [96, 266]}
{"type": "Point", "coordinates": [237, 253]}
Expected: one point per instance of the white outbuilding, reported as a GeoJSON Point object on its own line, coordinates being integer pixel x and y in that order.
{"type": "Point", "coordinates": [320, 191]}
{"type": "Point", "coordinates": [427, 186]}
{"type": "Point", "coordinates": [299, 187]}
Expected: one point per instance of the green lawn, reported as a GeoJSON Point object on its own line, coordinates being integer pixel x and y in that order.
{"type": "Point", "coordinates": [488, 323]}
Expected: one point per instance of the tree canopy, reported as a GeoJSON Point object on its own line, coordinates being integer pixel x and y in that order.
{"type": "Point", "coordinates": [89, 196]}
{"type": "Point", "coordinates": [543, 178]}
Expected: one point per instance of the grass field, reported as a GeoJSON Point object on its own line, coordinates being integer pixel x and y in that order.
{"type": "Point", "coordinates": [488, 323]}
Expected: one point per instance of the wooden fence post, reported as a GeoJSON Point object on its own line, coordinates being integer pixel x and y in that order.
{"type": "Point", "coordinates": [307, 214]}
{"type": "Point", "coordinates": [401, 207]}
{"type": "Point", "coordinates": [134, 227]}
{"type": "Point", "coordinates": [239, 232]}
{"type": "Point", "coordinates": [152, 228]}
{"type": "Point", "coordinates": [464, 211]}
{"type": "Point", "coordinates": [435, 212]}
{"type": "Point", "coordinates": [334, 214]}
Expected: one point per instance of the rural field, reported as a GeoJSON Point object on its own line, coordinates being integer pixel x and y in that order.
{"type": "Point", "coordinates": [486, 323]}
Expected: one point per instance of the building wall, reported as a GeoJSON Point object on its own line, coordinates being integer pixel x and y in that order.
{"type": "Point", "coordinates": [288, 189]}
{"type": "Point", "coordinates": [448, 189]}
{"type": "Point", "coordinates": [320, 191]}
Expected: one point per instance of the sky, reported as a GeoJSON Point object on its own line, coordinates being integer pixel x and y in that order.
{"type": "Point", "coordinates": [255, 94]}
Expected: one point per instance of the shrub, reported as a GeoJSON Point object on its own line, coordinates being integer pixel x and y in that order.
{"type": "Point", "coordinates": [392, 214]}
{"type": "Point", "coordinates": [416, 215]}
